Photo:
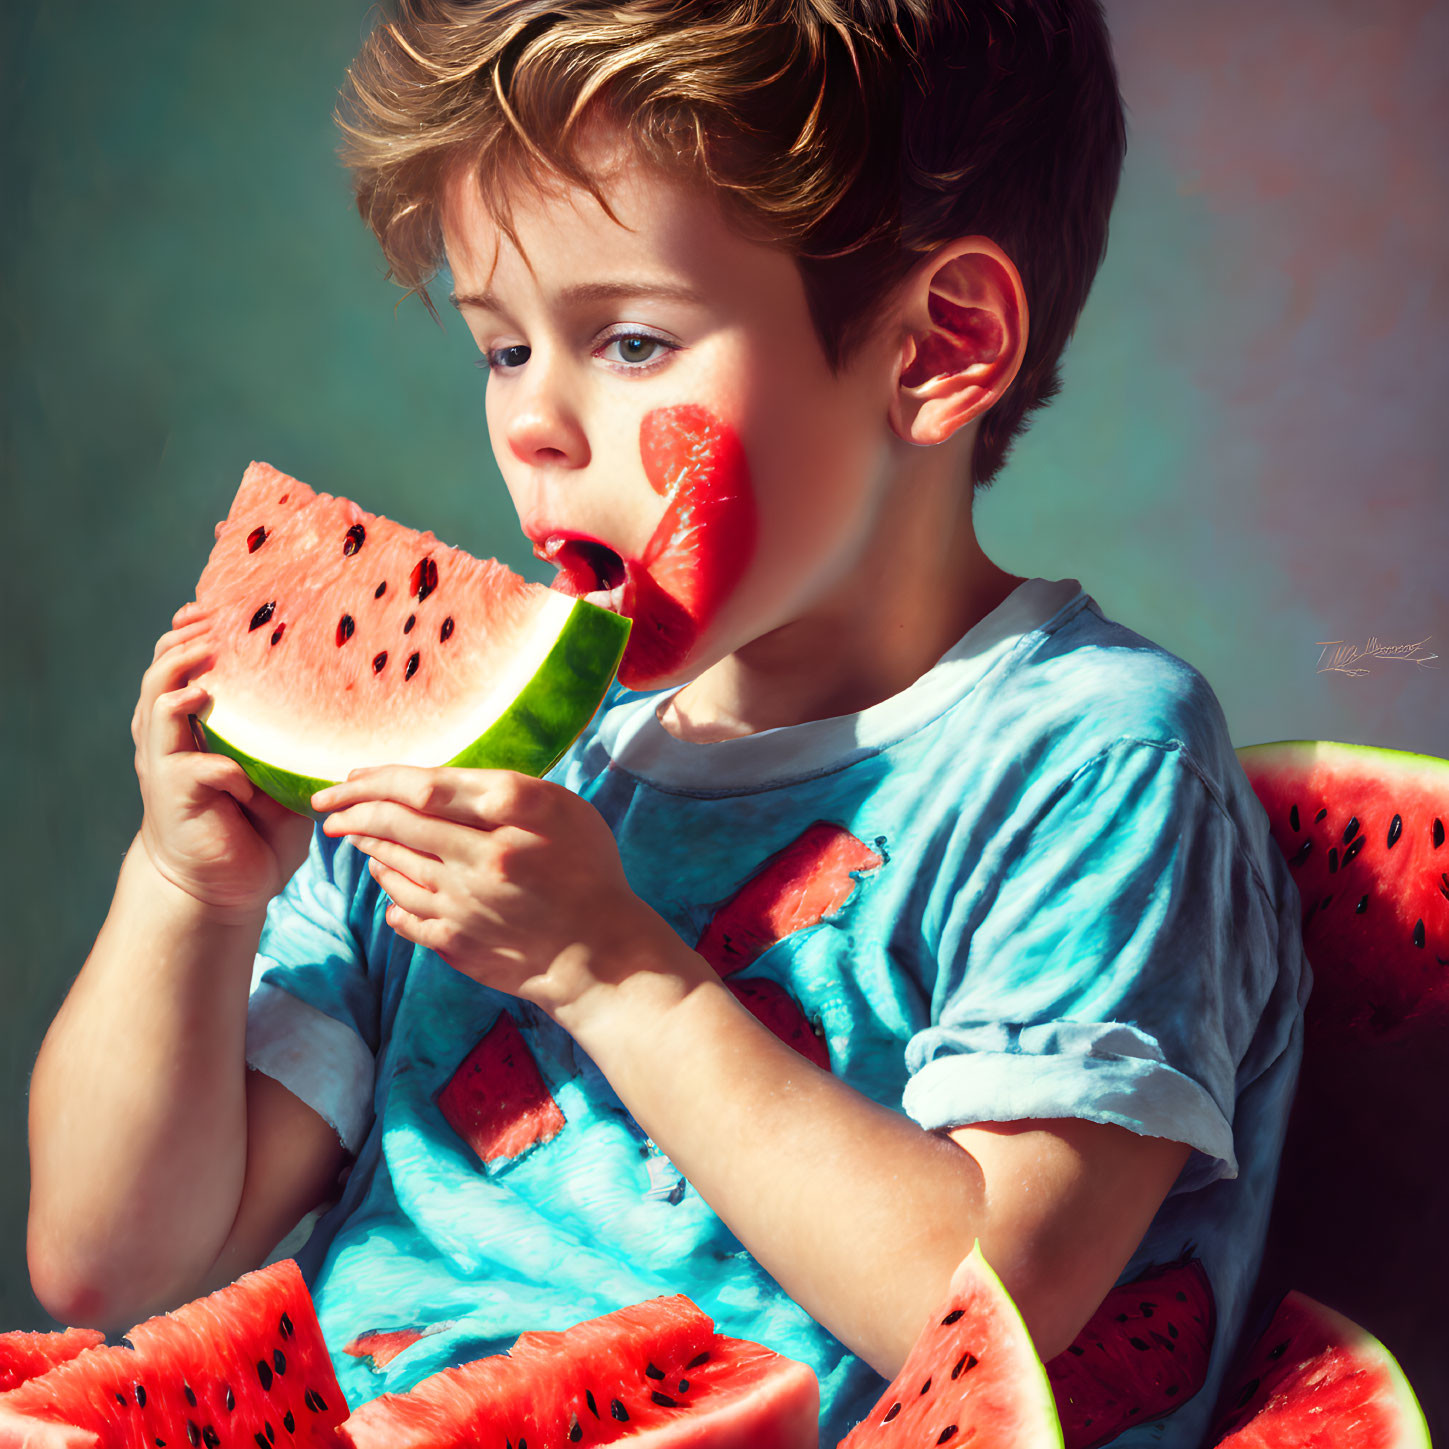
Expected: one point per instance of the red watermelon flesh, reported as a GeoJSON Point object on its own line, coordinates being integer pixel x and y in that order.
{"type": "Point", "coordinates": [1364, 832]}
{"type": "Point", "coordinates": [1371, 1089]}
{"type": "Point", "coordinates": [1315, 1380]}
{"type": "Point", "coordinates": [382, 1345]}
{"type": "Point", "coordinates": [653, 1374]}
{"type": "Point", "coordinates": [972, 1378]}
{"type": "Point", "coordinates": [796, 888]}
{"type": "Point", "coordinates": [497, 1101]}
{"type": "Point", "coordinates": [247, 1360]}
{"type": "Point", "coordinates": [25, 1355]}
{"type": "Point", "coordinates": [1142, 1354]}
{"type": "Point", "coordinates": [775, 1008]}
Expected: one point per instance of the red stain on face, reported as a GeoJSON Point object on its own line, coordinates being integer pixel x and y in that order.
{"type": "Point", "coordinates": [697, 554]}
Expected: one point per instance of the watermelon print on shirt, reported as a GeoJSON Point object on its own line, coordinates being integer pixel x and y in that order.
{"type": "Point", "coordinates": [1045, 889]}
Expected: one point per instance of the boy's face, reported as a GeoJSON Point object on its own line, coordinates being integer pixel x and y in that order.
{"type": "Point", "coordinates": [663, 415]}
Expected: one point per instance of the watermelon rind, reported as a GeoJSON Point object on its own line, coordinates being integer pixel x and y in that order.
{"type": "Point", "coordinates": [1406, 1424]}
{"type": "Point", "coordinates": [1287, 753]}
{"type": "Point", "coordinates": [527, 730]}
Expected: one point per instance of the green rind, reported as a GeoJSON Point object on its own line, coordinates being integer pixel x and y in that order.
{"type": "Point", "coordinates": [1284, 752]}
{"type": "Point", "coordinates": [547, 715]}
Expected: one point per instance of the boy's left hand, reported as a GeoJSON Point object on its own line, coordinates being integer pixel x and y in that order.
{"type": "Point", "coordinates": [513, 881]}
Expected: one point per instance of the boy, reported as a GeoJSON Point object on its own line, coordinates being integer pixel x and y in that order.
{"type": "Point", "coordinates": [762, 290]}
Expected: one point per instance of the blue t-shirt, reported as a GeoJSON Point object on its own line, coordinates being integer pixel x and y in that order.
{"type": "Point", "coordinates": [1036, 884]}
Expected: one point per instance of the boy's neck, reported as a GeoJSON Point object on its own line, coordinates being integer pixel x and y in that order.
{"type": "Point", "coordinates": [858, 647]}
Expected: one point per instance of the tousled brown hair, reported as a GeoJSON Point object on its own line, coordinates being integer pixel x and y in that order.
{"type": "Point", "coordinates": [857, 134]}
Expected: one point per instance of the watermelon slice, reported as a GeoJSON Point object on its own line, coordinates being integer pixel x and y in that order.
{"type": "Point", "coordinates": [25, 1355]}
{"type": "Point", "coordinates": [245, 1365]}
{"type": "Point", "coordinates": [1316, 1380]}
{"type": "Point", "coordinates": [653, 1374]}
{"type": "Point", "coordinates": [1142, 1354]}
{"type": "Point", "coordinates": [973, 1377]}
{"type": "Point", "coordinates": [345, 640]}
{"type": "Point", "coordinates": [1363, 831]}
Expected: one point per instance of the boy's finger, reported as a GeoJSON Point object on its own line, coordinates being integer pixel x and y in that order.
{"type": "Point", "coordinates": [388, 820]}
{"type": "Point", "coordinates": [178, 635]}
{"type": "Point", "coordinates": [405, 892]}
{"type": "Point", "coordinates": [414, 864]}
{"type": "Point", "coordinates": [171, 720]}
{"type": "Point", "coordinates": [480, 799]}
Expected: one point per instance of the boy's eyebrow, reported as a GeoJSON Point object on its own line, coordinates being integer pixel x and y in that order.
{"type": "Point", "coordinates": [589, 292]}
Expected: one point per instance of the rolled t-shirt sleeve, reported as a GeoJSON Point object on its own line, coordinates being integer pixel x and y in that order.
{"type": "Point", "coordinates": [1111, 965]}
{"type": "Point", "coordinates": [313, 1014]}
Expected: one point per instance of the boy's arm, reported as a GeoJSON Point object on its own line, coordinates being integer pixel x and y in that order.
{"type": "Point", "coordinates": [157, 1159]}
{"type": "Point", "coordinates": [859, 1213]}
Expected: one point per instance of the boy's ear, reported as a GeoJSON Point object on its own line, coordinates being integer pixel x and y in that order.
{"type": "Point", "coordinates": [964, 321]}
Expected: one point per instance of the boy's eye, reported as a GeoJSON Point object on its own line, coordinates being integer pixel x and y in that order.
{"type": "Point", "coordinates": [505, 357]}
{"type": "Point", "coordinates": [635, 348]}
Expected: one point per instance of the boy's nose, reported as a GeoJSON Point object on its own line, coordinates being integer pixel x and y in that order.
{"type": "Point", "coordinates": [544, 429]}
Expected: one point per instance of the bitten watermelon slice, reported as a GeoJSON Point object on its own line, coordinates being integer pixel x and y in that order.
{"type": "Point", "coordinates": [653, 1374]}
{"type": "Point", "coordinates": [347, 640]}
{"type": "Point", "coordinates": [972, 1378]}
{"type": "Point", "coordinates": [1316, 1380]}
{"type": "Point", "coordinates": [245, 1365]}
{"type": "Point", "coordinates": [1363, 831]}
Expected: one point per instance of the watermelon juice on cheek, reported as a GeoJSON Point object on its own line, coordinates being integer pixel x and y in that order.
{"type": "Point", "coordinates": [697, 553]}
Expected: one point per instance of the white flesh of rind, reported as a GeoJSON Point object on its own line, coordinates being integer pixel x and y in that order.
{"type": "Point", "coordinates": [278, 743]}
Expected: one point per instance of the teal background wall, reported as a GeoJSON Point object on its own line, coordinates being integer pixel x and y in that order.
{"type": "Point", "coordinates": [1245, 460]}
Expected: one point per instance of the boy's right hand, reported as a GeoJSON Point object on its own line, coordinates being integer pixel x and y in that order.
{"type": "Point", "coordinates": [206, 828]}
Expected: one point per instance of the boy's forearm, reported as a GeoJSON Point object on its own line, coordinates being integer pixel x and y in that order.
{"type": "Point", "coordinates": [137, 1107]}
{"type": "Point", "coordinates": [858, 1213]}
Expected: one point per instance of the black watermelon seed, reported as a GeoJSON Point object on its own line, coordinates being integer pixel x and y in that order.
{"type": "Point", "coordinates": [925, 1386]}
{"type": "Point", "coordinates": [355, 536]}
{"type": "Point", "coordinates": [949, 1432]}
{"type": "Point", "coordinates": [1172, 1329]}
{"type": "Point", "coordinates": [190, 1394]}
{"type": "Point", "coordinates": [230, 1399]}
{"type": "Point", "coordinates": [408, 627]}
{"type": "Point", "coordinates": [262, 615]}
{"type": "Point", "coordinates": [121, 1398]}
{"type": "Point", "coordinates": [411, 667]}
{"type": "Point", "coordinates": [618, 1411]}
{"type": "Point", "coordinates": [160, 1442]}
{"type": "Point", "coordinates": [1145, 1309]}
{"type": "Point", "coordinates": [1076, 1349]}
{"type": "Point", "coordinates": [1419, 933]}
{"type": "Point", "coordinates": [684, 1386]}
{"type": "Point", "coordinates": [345, 627]}
{"type": "Point", "coordinates": [1140, 1344]}
{"type": "Point", "coordinates": [380, 590]}
{"type": "Point", "coordinates": [1333, 860]}
{"type": "Point", "coordinates": [1293, 819]}
{"type": "Point", "coordinates": [1121, 1318]}
{"type": "Point", "coordinates": [698, 1359]}
{"type": "Point", "coordinates": [589, 1400]}
{"type": "Point", "coordinates": [1302, 853]}
{"type": "Point", "coordinates": [279, 1361]}
{"type": "Point", "coordinates": [285, 1324]}
{"type": "Point", "coordinates": [264, 1373]}
{"type": "Point", "coordinates": [653, 1373]}
{"type": "Point", "coordinates": [952, 1316]}
{"type": "Point", "coordinates": [316, 1402]}
{"type": "Point", "coordinates": [1350, 830]}
{"type": "Point", "coordinates": [424, 578]}
{"type": "Point", "coordinates": [1354, 849]}
{"type": "Point", "coordinates": [141, 1395]}
{"type": "Point", "coordinates": [1278, 1349]}
{"type": "Point", "coordinates": [378, 661]}
{"type": "Point", "coordinates": [210, 1437]}
{"type": "Point", "coordinates": [891, 1413]}
{"type": "Point", "coordinates": [261, 1441]}
{"type": "Point", "coordinates": [288, 1422]}
{"type": "Point", "coordinates": [1320, 815]}
{"type": "Point", "coordinates": [663, 1400]}
{"type": "Point", "coordinates": [1396, 829]}
{"type": "Point", "coordinates": [277, 633]}
{"type": "Point", "coordinates": [270, 1432]}
{"type": "Point", "coordinates": [1180, 1296]}
{"type": "Point", "coordinates": [576, 1431]}
{"type": "Point", "coordinates": [964, 1364]}
{"type": "Point", "coordinates": [1438, 834]}
{"type": "Point", "coordinates": [1171, 1390]}
{"type": "Point", "coordinates": [1249, 1389]}
{"type": "Point", "coordinates": [255, 539]}
{"type": "Point", "coordinates": [1323, 904]}
{"type": "Point", "coordinates": [193, 1432]}
{"type": "Point", "coordinates": [1444, 876]}
{"type": "Point", "coordinates": [1361, 907]}
{"type": "Point", "coordinates": [446, 632]}
{"type": "Point", "coordinates": [1308, 916]}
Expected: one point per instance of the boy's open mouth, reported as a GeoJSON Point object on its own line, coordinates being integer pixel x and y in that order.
{"type": "Point", "coordinates": [587, 569]}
